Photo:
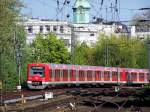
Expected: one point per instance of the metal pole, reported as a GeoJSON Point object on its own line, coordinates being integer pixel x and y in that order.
{"type": "Point", "coordinates": [149, 59]}
{"type": "Point", "coordinates": [1, 99]}
{"type": "Point", "coordinates": [18, 59]}
{"type": "Point", "coordinates": [106, 14]}
{"type": "Point", "coordinates": [72, 45]}
{"type": "Point", "coordinates": [118, 76]}
{"type": "Point", "coordinates": [19, 68]}
{"type": "Point", "coordinates": [106, 53]}
{"type": "Point", "coordinates": [19, 75]}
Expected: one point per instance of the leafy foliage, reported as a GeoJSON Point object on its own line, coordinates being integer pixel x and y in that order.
{"type": "Point", "coordinates": [122, 52]}
{"type": "Point", "coordinates": [83, 54]}
{"type": "Point", "coordinates": [9, 12]}
{"type": "Point", "coordinates": [49, 49]}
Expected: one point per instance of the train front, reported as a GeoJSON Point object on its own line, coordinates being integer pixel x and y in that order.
{"type": "Point", "coordinates": [36, 78]}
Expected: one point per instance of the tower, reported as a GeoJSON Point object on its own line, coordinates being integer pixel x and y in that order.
{"type": "Point", "coordinates": [81, 11]}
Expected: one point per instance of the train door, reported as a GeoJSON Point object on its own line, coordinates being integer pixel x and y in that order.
{"type": "Point", "coordinates": [47, 74]}
{"type": "Point", "coordinates": [141, 77]}
{"type": "Point", "coordinates": [134, 76]}
{"type": "Point", "coordinates": [50, 74]}
{"type": "Point", "coordinates": [123, 76]}
{"type": "Point", "coordinates": [129, 78]}
{"type": "Point", "coordinates": [57, 75]}
{"type": "Point", "coordinates": [106, 75]}
{"type": "Point", "coordinates": [114, 76]}
{"type": "Point", "coordinates": [81, 75]}
{"type": "Point", "coordinates": [147, 77]}
{"type": "Point", "coordinates": [97, 75]}
{"type": "Point", "coordinates": [65, 75]}
{"type": "Point", "coordinates": [72, 75]}
{"type": "Point", "coordinates": [89, 75]}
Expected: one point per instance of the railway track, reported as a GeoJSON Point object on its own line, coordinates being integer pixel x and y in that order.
{"type": "Point", "coordinates": [119, 101]}
{"type": "Point", "coordinates": [8, 95]}
{"type": "Point", "coordinates": [97, 97]}
{"type": "Point", "coordinates": [27, 93]}
{"type": "Point", "coordinates": [97, 91]}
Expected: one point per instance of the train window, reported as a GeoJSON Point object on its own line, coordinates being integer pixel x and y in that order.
{"type": "Point", "coordinates": [141, 76]}
{"type": "Point", "coordinates": [114, 76]}
{"type": "Point", "coordinates": [65, 73]}
{"type": "Point", "coordinates": [134, 76]}
{"type": "Point", "coordinates": [36, 70]}
{"type": "Point", "coordinates": [72, 74]}
{"type": "Point", "coordinates": [106, 74]}
{"type": "Point", "coordinates": [129, 78]}
{"type": "Point", "coordinates": [57, 73]}
{"type": "Point", "coordinates": [50, 73]}
{"type": "Point", "coordinates": [89, 74]}
{"type": "Point", "coordinates": [81, 73]}
{"type": "Point", "coordinates": [98, 74]}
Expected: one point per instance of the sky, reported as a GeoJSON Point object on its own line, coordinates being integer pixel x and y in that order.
{"type": "Point", "coordinates": [48, 9]}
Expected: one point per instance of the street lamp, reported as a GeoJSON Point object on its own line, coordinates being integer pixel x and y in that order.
{"type": "Point", "coordinates": [19, 56]}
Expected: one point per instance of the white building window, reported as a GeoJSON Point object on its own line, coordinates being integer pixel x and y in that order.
{"type": "Point", "coordinates": [92, 34]}
{"type": "Point", "coordinates": [30, 29]}
{"type": "Point", "coordinates": [54, 28]}
{"type": "Point", "coordinates": [47, 28]}
{"type": "Point", "coordinates": [61, 29]}
{"type": "Point", "coordinates": [41, 29]}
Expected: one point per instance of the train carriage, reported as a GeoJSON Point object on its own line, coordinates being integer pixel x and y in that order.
{"type": "Point", "coordinates": [41, 75]}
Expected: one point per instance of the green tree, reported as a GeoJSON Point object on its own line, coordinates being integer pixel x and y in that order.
{"type": "Point", "coordinates": [122, 51]}
{"type": "Point", "coordinates": [49, 49]}
{"type": "Point", "coordinates": [9, 12]}
{"type": "Point", "coordinates": [83, 54]}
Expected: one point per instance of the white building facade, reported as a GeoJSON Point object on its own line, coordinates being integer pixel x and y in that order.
{"type": "Point", "coordinates": [140, 32]}
{"type": "Point", "coordinates": [81, 30]}
{"type": "Point", "coordinates": [36, 26]}
{"type": "Point", "coordinates": [88, 33]}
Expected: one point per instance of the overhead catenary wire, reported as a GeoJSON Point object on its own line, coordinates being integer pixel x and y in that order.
{"type": "Point", "coordinates": [103, 4]}
{"type": "Point", "coordinates": [62, 4]}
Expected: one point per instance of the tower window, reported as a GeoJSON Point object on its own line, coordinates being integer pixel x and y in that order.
{"type": "Point", "coordinates": [81, 13]}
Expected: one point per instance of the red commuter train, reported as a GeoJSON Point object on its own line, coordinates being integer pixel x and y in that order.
{"type": "Point", "coordinates": [41, 75]}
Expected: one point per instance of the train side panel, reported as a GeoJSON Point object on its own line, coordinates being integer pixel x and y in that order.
{"type": "Point", "coordinates": [74, 74]}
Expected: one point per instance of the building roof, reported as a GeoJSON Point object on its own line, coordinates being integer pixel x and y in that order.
{"type": "Point", "coordinates": [83, 3]}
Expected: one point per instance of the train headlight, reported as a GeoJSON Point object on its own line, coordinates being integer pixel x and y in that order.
{"type": "Point", "coordinates": [36, 78]}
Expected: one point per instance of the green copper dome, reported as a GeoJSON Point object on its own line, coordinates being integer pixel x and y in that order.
{"type": "Point", "coordinates": [83, 3]}
{"type": "Point", "coordinates": [81, 11]}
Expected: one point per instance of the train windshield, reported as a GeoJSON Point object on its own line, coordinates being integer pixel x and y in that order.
{"type": "Point", "coordinates": [34, 70]}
